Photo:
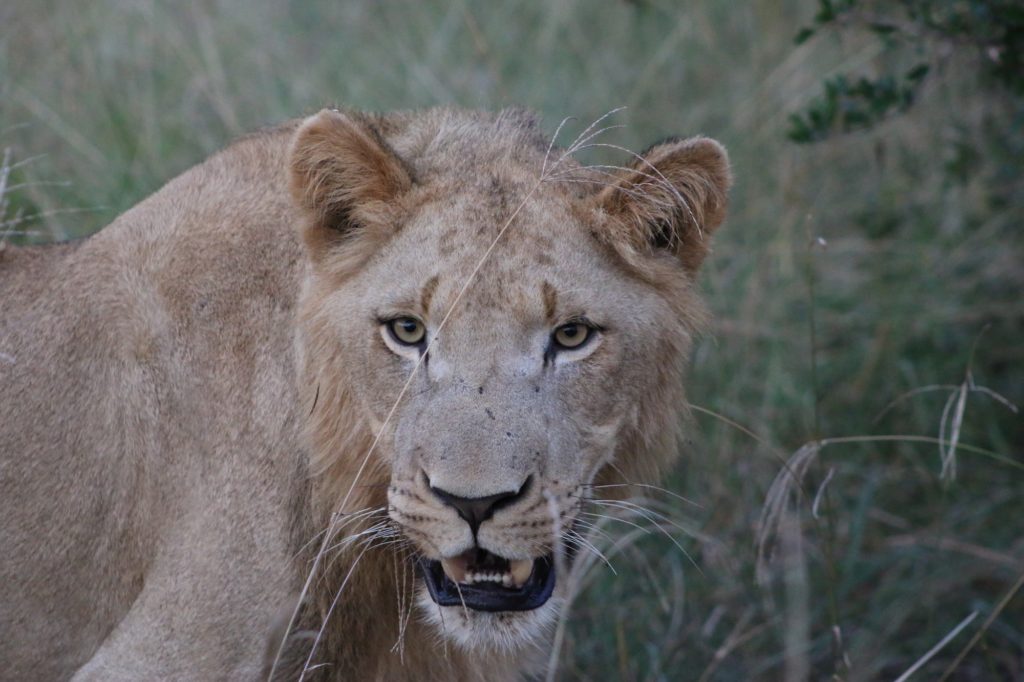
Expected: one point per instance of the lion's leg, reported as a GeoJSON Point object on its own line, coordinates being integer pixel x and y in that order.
{"type": "Point", "coordinates": [209, 598]}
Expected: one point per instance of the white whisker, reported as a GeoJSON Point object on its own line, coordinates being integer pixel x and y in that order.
{"type": "Point", "coordinates": [648, 514]}
{"type": "Point", "coordinates": [651, 487]}
{"type": "Point", "coordinates": [586, 544]}
{"type": "Point", "coordinates": [330, 610]}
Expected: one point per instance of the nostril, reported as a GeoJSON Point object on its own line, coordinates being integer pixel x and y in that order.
{"type": "Point", "coordinates": [476, 510]}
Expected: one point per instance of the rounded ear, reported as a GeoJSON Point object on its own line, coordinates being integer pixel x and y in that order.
{"type": "Point", "coordinates": [672, 197]}
{"type": "Point", "coordinates": [345, 176]}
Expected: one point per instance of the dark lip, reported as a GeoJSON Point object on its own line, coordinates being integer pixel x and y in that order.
{"type": "Point", "coordinates": [534, 593]}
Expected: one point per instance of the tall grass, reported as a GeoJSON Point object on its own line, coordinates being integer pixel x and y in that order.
{"type": "Point", "coordinates": [861, 301]}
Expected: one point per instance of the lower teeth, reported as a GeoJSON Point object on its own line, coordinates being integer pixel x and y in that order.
{"type": "Point", "coordinates": [505, 579]}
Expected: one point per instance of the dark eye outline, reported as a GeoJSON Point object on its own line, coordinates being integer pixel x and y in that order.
{"type": "Point", "coordinates": [589, 327]}
{"type": "Point", "coordinates": [390, 325]}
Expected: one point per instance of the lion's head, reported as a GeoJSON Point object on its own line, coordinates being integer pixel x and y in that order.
{"type": "Point", "coordinates": [492, 331]}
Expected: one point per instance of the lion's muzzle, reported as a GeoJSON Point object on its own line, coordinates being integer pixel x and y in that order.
{"type": "Point", "coordinates": [479, 579]}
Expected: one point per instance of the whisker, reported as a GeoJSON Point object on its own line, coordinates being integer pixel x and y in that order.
{"type": "Point", "coordinates": [576, 584]}
{"type": "Point", "coordinates": [579, 540]}
{"type": "Point", "coordinates": [349, 539]}
{"type": "Point", "coordinates": [648, 486]}
{"type": "Point", "coordinates": [619, 519]}
{"type": "Point", "coordinates": [330, 610]}
{"type": "Point", "coordinates": [309, 542]}
{"type": "Point", "coordinates": [637, 509]}
{"type": "Point", "coordinates": [591, 528]}
{"type": "Point", "coordinates": [638, 556]}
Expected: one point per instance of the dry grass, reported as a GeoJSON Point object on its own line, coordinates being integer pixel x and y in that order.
{"type": "Point", "coordinates": [850, 281]}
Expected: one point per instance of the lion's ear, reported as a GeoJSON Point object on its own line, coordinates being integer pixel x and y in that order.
{"type": "Point", "coordinates": [345, 176]}
{"type": "Point", "coordinates": [672, 197]}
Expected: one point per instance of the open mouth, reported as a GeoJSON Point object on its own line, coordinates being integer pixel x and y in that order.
{"type": "Point", "coordinates": [487, 582]}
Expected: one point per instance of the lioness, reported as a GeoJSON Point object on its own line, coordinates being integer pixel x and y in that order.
{"type": "Point", "coordinates": [330, 403]}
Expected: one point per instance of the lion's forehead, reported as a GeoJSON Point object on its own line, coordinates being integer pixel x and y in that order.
{"type": "Point", "coordinates": [485, 202]}
{"type": "Point", "coordinates": [513, 260]}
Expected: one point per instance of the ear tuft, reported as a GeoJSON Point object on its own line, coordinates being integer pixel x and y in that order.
{"type": "Point", "coordinates": [344, 174]}
{"type": "Point", "coordinates": [672, 197]}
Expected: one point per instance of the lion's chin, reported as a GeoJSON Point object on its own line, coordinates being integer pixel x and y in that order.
{"type": "Point", "coordinates": [506, 632]}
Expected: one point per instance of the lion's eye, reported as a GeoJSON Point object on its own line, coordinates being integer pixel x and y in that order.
{"type": "Point", "coordinates": [407, 331]}
{"type": "Point", "coordinates": [572, 335]}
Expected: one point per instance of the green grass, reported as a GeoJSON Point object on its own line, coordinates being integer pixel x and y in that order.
{"type": "Point", "coordinates": [919, 280]}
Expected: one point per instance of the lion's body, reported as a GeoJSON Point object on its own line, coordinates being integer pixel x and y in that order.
{"type": "Point", "coordinates": [171, 444]}
{"type": "Point", "coordinates": [148, 438]}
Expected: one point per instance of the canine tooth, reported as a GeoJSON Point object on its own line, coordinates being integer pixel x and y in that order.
{"type": "Point", "coordinates": [454, 568]}
{"type": "Point", "coordinates": [520, 571]}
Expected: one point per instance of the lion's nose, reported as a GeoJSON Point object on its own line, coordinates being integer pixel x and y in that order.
{"type": "Point", "coordinates": [476, 510]}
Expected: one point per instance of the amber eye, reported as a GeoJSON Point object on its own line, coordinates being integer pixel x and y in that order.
{"type": "Point", "coordinates": [572, 335]}
{"type": "Point", "coordinates": [407, 331]}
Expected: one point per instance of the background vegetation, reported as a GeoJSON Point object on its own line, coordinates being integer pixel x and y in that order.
{"type": "Point", "coordinates": [867, 287]}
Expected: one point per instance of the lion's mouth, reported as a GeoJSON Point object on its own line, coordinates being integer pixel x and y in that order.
{"type": "Point", "coordinates": [484, 581]}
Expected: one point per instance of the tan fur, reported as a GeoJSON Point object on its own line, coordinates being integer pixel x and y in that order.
{"type": "Point", "coordinates": [195, 397]}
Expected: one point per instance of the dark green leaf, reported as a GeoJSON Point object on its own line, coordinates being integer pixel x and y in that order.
{"type": "Point", "coordinates": [803, 35]}
{"type": "Point", "coordinates": [883, 29]}
{"type": "Point", "coordinates": [918, 73]}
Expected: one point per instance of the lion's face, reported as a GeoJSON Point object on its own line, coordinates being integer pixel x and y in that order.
{"type": "Point", "coordinates": [511, 407]}
{"type": "Point", "coordinates": [511, 342]}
